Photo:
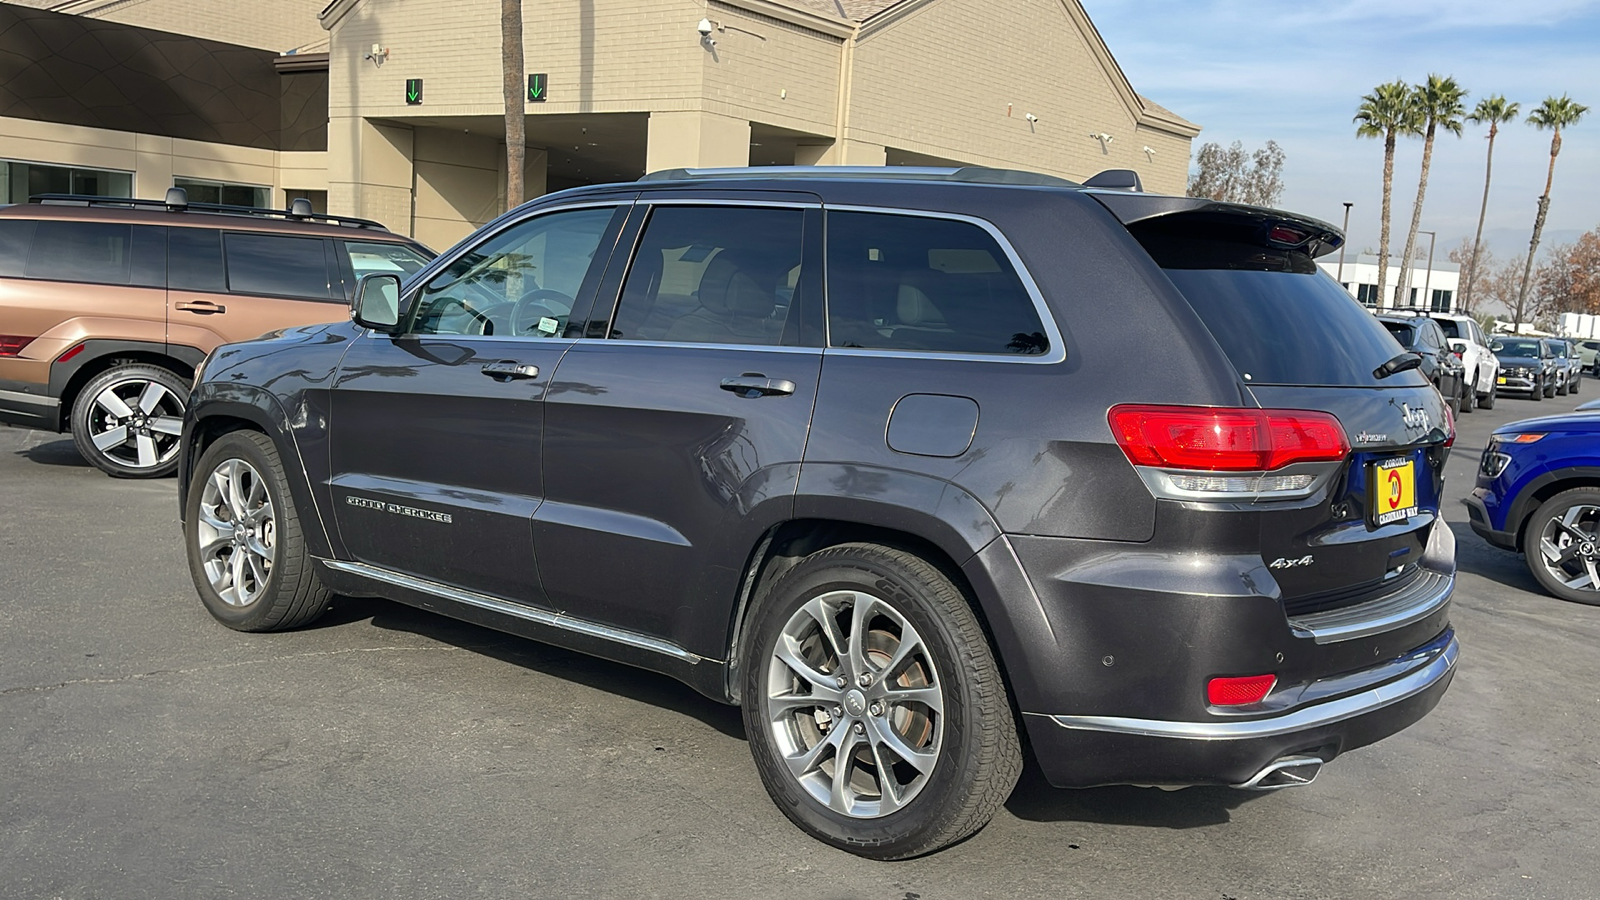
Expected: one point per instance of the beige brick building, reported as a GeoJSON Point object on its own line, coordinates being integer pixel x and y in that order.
{"type": "Point", "coordinates": [633, 86]}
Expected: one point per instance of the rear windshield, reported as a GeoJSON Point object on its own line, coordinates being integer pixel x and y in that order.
{"type": "Point", "coordinates": [1452, 328]}
{"type": "Point", "coordinates": [1401, 332]}
{"type": "Point", "coordinates": [1290, 327]}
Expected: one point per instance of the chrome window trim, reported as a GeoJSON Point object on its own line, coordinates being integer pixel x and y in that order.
{"type": "Point", "coordinates": [1436, 664]}
{"type": "Point", "coordinates": [769, 348]}
{"type": "Point", "coordinates": [517, 610]}
{"type": "Point", "coordinates": [1058, 349]}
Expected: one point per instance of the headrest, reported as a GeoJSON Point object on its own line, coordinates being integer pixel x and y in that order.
{"type": "Point", "coordinates": [726, 287]}
{"type": "Point", "coordinates": [913, 307]}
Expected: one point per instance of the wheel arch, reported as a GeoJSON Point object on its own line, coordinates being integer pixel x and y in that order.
{"type": "Point", "coordinates": [68, 378]}
{"type": "Point", "coordinates": [1546, 486]}
{"type": "Point", "coordinates": [219, 409]}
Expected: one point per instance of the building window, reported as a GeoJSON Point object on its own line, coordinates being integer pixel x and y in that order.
{"type": "Point", "coordinates": [21, 180]}
{"type": "Point", "coordinates": [227, 194]}
{"type": "Point", "coordinates": [1412, 299]}
{"type": "Point", "coordinates": [1367, 294]}
{"type": "Point", "coordinates": [1442, 301]}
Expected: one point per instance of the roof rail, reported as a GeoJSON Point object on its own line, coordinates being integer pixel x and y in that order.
{"type": "Point", "coordinates": [298, 212]}
{"type": "Point", "coordinates": [963, 174]}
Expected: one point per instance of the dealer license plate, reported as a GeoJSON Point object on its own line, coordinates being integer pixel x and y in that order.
{"type": "Point", "coordinates": [1393, 490]}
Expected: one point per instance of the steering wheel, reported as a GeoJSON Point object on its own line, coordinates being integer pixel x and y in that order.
{"type": "Point", "coordinates": [534, 306]}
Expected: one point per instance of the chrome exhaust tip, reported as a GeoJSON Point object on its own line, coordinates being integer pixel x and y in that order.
{"type": "Point", "coordinates": [1285, 771]}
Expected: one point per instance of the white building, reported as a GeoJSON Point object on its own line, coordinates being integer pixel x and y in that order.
{"type": "Point", "coordinates": [1433, 289]}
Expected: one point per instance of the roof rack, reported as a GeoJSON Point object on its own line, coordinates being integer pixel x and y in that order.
{"type": "Point", "coordinates": [178, 201]}
{"type": "Point", "coordinates": [963, 174]}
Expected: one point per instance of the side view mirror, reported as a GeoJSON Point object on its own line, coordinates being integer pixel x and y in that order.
{"type": "Point", "coordinates": [377, 302]}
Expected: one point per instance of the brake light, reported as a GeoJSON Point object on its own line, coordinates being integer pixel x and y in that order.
{"type": "Point", "coordinates": [12, 344]}
{"type": "Point", "coordinates": [1239, 691]}
{"type": "Point", "coordinates": [1213, 439]}
{"type": "Point", "coordinates": [1450, 427]}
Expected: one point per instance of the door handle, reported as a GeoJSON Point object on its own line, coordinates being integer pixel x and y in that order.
{"type": "Point", "coordinates": [754, 384]}
{"type": "Point", "coordinates": [200, 306]}
{"type": "Point", "coordinates": [509, 370]}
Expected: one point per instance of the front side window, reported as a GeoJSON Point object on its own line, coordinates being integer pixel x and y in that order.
{"type": "Point", "coordinates": [901, 282]}
{"type": "Point", "coordinates": [277, 266]}
{"type": "Point", "coordinates": [713, 275]}
{"type": "Point", "coordinates": [521, 282]}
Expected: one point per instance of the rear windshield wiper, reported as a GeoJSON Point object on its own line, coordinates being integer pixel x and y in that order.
{"type": "Point", "coordinates": [1401, 363]}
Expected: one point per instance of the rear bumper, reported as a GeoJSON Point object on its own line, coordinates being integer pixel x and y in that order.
{"type": "Point", "coordinates": [1349, 711]}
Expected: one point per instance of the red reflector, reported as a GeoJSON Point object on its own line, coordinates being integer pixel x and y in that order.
{"type": "Point", "coordinates": [1214, 439]}
{"type": "Point", "coordinates": [12, 344]}
{"type": "Point", "coordinates": [1239, 691]}
{"type": "Point", "coordinates": [71, 353]}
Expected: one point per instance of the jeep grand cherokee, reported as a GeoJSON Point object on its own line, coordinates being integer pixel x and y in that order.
{"type": "Point", "coordinates": [864, 452]}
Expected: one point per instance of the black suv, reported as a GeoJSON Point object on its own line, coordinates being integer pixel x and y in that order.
{"type": "Point", "coordinates": [865, 452]}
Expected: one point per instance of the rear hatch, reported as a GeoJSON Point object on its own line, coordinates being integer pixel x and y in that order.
{"type": "Point", "coordinates": [1299, 341]}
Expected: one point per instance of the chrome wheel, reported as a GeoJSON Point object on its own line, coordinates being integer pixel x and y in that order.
{"type": "Point", "coordinates": [855, 703]}
{"type": "Point", "coordinates": [236, 532]}
{"type": "Point", "coordinates": [136, 422]}
{"type": "Point", "coordinates": [1569, 547]}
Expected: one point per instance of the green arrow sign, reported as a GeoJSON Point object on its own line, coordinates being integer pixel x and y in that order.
{"type": "Point", "coordinates": [413, 91]}
{"type": "Point", "coordinates": [536, 87]}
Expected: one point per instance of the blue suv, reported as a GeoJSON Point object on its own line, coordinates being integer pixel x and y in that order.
{"type": "Point", "coordinates": [1539, 492]}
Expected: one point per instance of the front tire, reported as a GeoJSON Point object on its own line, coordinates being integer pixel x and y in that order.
{"type": "Point", "coordinates": [1469, 394]}
{"type": "Point", "coordinates": [247, 554]}
{"type": "Point", "coordinates": [1487, 401]}
{"type": "Point", "coordinates": [1562, 544]}
{"type": "Point", "coordinates": [875, 708]}
{"type": "Point", "coordinates": [1538, 391]}
{"type": "Point", "coordinates": [1577, 380]}
{"type": "Point", "coordinates": [127, 421]}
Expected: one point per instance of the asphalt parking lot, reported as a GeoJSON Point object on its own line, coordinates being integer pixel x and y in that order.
{"type": "Point", "coordinates": [146, 751]}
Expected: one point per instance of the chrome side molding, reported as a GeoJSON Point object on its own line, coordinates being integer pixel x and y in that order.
{"type": "Point", "coordinates": [517, 610]}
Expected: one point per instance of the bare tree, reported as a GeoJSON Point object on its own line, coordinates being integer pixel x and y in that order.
{"type": "Point", "coordinates": [1470, 256]}
{"type": "Point", "coordinates": [1230, 174]}
{"type": "Point", "coordinates": [1569, 279]}
{"type": "Point", "coordinates": [514, 81]}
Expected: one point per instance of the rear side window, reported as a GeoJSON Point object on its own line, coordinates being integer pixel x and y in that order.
{"type": "Point", "coordinates": [902, 282]}
{"type": "Point", "coordinates": [277, 266]}
{"type": "Point", "coordinates": [99, 253]}
{"type": "Point", "coordinates": [195, 261]}
{"type": "Point", "coordinates": [16, 236]}
{"type": "Point", "coordinates": [1279, 319]}
{"type": "Point", "coordinates": [713, 275]}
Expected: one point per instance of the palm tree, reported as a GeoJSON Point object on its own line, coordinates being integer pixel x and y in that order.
{"type": "Point", "coordinates": [1555, 113]}
{"type": "Point", "coordinates": [513, 81]}
{"type": "Point", "coordinates": [1387, 112]}
{"type": "Point", "coordinates": [1493, 110]}
{"type": "Point", "coordinates": [1439, 101]}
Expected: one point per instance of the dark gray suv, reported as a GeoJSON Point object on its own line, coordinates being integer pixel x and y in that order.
{"type": "Point", "coordinates": [867, 452]}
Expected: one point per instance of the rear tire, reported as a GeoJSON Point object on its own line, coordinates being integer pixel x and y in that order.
{"type": "Point", "coordinates": [127, 420]}
{"type": "Point", "coordinates": [1563, 553]}
{"type": "Point", "coordinates": [247, 553]}
{"type": "Point", "coordinates": [826, 667]}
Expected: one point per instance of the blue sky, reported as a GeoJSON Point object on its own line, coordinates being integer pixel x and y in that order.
{"type": "Point", "coordinates": [1254, 71]}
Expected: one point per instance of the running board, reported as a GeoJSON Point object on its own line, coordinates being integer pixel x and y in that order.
{"type": "Point", "coordinates": [516, 610]}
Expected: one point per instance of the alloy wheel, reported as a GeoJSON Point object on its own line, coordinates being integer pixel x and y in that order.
{"type": "Point", "coordinates": [237, 532]}
{"type": "Point", "coordinates": [855, 704]}
{"type": "Point", "coordinates": [136, 423]}
{"type": "Point", "coordinates": [1569, 547]}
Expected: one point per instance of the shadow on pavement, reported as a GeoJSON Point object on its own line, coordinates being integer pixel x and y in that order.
{"type": "Point", "coordinates": [61, 452]}
{"type": "Point", "coordinates": [1479, 557]}
{"type": "Point", "coordinates": [1036, 801]}
{"type": "Point", "coordinates": [613, 678]}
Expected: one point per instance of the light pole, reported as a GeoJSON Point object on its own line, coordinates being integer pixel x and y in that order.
{"type": "Point", "coordinates": [1346, 240]}
{"type": "Point", "coordinates": [1427, 279]}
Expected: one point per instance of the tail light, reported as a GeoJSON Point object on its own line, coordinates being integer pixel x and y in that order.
{"type": "Point", "coordinates": [12, 344]}
{"type": "Point", "coordinates": [1450, 426]}
{"type": "Point", "coordinates": [1239, 691]}
{"type": "Point", "coordinates": [1213, 439]}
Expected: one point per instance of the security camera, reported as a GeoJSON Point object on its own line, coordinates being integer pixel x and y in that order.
{"type": "Point", "coordinates": [1031, 117]}
{"type": "Point", "coordinates": [704, 28]}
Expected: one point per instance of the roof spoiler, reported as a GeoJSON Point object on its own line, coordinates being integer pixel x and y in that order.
{"type": "Point", "coordinates": [1277, 229]}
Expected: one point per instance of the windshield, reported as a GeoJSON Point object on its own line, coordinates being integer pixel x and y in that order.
{"type": "Point", "coordinates": [1519, 349]}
